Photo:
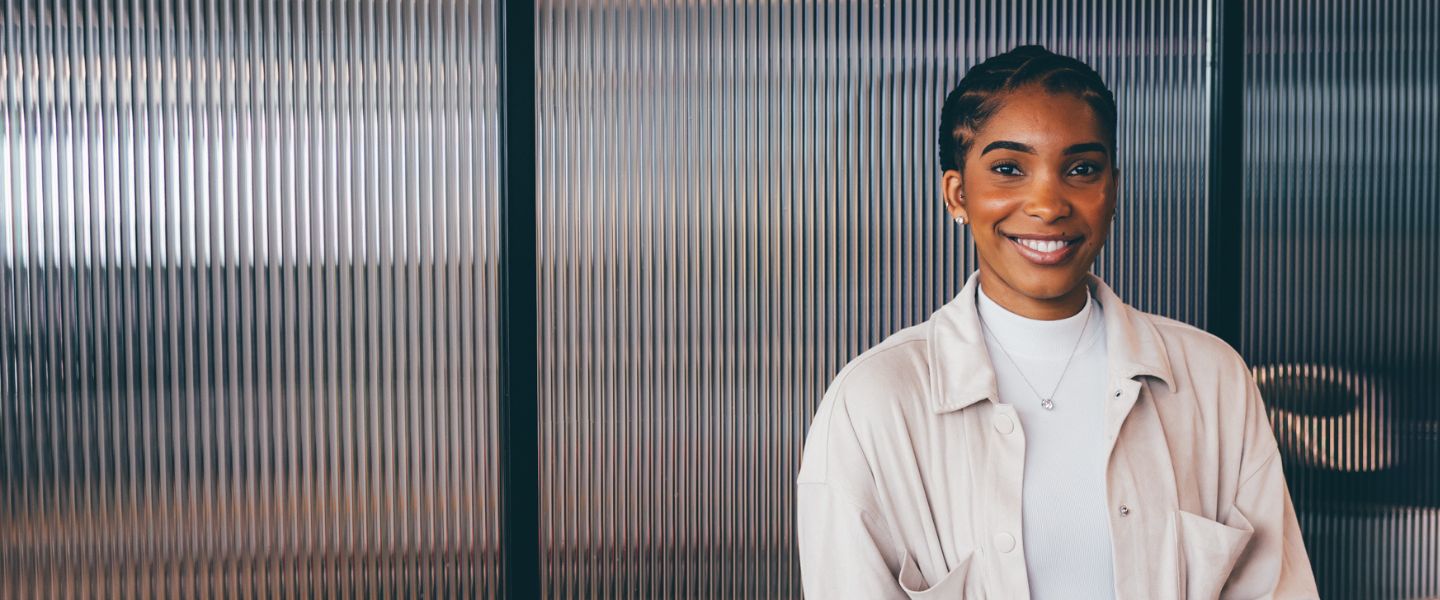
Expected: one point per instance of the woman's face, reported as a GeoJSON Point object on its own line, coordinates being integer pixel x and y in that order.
{"type": "Point", "coordinates": [1039, 170]}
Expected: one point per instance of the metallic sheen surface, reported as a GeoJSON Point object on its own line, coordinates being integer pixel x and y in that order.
{"type": "Point", "coordinates": [1342, 279]}
{"type": "Point", "coordinates": [246, 271]}
{"type": "Point", "coordinates": [248, 275]}
{"type": "Point", "coordinates": [736, 198]}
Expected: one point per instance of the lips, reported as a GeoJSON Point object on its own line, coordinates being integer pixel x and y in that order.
{"type": "Point", "coordinates": [1045, 252]}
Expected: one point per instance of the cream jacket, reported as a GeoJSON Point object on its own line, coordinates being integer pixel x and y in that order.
{"type": "Point", "coordinates": [909, 486]}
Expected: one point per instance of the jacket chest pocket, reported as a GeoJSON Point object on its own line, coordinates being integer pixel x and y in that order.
{"type": "Point", "coordinates": [950, 585]}
{"type": "Point", "coordinates": [1206, 552]}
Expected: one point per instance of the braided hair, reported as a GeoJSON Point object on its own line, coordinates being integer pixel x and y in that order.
{"type": "Point", "coordinates": [980, 93]}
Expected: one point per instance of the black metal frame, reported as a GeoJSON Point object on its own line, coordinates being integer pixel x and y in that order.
{"type": "Point", "coordinates": [519, 439]}
{"type": "Point", "coordinates": [1225, 230]}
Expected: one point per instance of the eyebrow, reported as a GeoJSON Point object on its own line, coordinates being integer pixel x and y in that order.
{"type": "Point", "coordinates": [1028, 149]}
{"type": "Point", "coordinates": [1086, 147]}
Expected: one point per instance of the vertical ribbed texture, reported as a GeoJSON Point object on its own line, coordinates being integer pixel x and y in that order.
{"type": "Point", "coordinates": [248, 275]}
{"type": "Point", "coordinates": [737, 198]}
{"type": "Point", "coordinates": [1342, 276]}
{"type": "Point", "coordinates": [247, 296]}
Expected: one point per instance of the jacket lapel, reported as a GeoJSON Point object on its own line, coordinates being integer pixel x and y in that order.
{"type": "Point", "coordinates": [962, 373]}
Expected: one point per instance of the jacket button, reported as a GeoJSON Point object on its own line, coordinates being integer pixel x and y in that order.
{"type": "Point", "coordinates": [1004, 542]}
{"type": "Point", "coordinates": [1003, 424]}
{"type": "Point", "coordinates": [1124, 510]}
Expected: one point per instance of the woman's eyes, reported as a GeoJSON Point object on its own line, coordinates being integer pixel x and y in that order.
{"type": "Point", "coordinates": [1006, 169]}
{"type": "Point", "coordinates": [1084, 169]}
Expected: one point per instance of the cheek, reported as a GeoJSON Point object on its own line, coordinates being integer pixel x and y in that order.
{"type": "Point", "coordinates": [997, 244]}
{"type": "Point", "coordinates": [990, 202]}
{"type": "Point", "coordinates": [1097, 204]}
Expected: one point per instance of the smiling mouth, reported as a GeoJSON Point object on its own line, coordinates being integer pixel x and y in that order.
{"type": "Point", "coordinates": [1046, 252]}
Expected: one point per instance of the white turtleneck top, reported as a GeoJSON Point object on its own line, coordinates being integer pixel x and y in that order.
{"type": "Point", "coordinates": [1066, 527]}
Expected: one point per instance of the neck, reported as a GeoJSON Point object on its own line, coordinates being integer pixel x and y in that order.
{"type": "Point", "coordinates": [1035, 338]}
{"type": "Point", "coordinates": [1042, 309]}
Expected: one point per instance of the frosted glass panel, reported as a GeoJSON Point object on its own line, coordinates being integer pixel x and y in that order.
{"type": "Point", "coordinates": [1341, 279]}
{"type": "Point", "coordinates": [737, 198]}
{"type": "Point", "coordinates": [247, 291]}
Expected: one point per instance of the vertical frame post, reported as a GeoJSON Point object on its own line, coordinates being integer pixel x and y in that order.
{"type": "Point", "coordinates": [1225, 231]}
{"type": "Point", "coordinates": [519, 373]}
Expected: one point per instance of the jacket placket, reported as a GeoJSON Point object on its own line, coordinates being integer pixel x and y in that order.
{"type": "Point", "coordinates": [1003, 539]}
{"type": "Point", "coordinates": [1140, 487]}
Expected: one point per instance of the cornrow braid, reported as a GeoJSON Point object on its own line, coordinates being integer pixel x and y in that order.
{"type": "Point", "coordinates": [985, 85]}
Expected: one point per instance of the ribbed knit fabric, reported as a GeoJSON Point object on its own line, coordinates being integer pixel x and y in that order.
{"type": "Point", "coordinates": [1066, 529]}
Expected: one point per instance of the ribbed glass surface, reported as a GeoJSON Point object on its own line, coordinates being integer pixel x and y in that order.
{"type": "Point", "coordinates": [1341, 279]}
{"type": "Point", "coordinates": [735, 199]}
{"type": "Point", "coordinates": [247, 288]}
{"type": "Point", "coordinates": [249, 275]}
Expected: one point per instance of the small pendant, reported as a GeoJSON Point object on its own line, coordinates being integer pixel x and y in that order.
{"type": "Point", "coordinates": [1047, 404]}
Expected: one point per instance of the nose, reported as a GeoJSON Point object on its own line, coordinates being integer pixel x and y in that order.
{"type": "Point", "coordinates": [1048, 202]}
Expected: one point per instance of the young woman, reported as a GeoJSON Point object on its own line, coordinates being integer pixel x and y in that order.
{"type": "Point", "coordinates": [1037, 437]}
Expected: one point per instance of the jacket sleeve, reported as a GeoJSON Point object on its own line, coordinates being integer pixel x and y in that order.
{"type": "Point", "coordinates": [846, 548]}
{"type": "Point", "coordinates": [1275, 563]}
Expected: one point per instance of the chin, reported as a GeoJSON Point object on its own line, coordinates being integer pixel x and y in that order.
{"type": "Point", "coordinates": [1042, 285]}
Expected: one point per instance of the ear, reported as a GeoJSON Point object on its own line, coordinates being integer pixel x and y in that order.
{"type": "Point", "coordinates": [952, 187]}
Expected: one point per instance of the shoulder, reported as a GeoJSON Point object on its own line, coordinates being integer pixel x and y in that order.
{"type": "Point", "coordinates": [886, 384]}
{"type": "Point", "coordinates": [1196, 349]}
{"type": "Point", "coordinates": [886, 378]}
{"type": "Point", "coordinates": [1212, 380]}
{"type": "Point", "coordinates": [898, 363]}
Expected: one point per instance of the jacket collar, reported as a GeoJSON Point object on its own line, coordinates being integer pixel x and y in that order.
{"type": "Point", "coordinates": [962, 373]}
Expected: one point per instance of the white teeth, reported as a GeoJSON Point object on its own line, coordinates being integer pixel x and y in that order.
{"type": "Point", "coordinates": [1043, 245]}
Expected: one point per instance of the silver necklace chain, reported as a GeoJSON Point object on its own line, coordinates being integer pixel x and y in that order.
{"type": "Point", "coordinates": [1046, 402]}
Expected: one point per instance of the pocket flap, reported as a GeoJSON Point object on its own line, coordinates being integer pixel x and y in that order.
{"type": "Point", "coordinates": [1209, 550]}
{"type": "Point", "coordinates": [951, 585]}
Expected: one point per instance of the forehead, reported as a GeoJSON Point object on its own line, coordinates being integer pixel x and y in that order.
{"type": "Point", "coordinates": [1039, 118]}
